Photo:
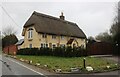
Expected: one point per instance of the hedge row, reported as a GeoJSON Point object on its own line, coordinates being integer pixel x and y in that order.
{"type": "Point", "coordinates": [57, 51]}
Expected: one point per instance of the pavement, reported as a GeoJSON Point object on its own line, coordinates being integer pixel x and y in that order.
{"type": "Point", "coordinates": [14, 68]}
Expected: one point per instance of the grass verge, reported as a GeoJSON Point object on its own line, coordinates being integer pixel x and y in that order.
{"type": "Point", "coordinates": [65, 64]}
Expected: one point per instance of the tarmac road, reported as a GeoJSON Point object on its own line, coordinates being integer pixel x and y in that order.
{"type": "Point", "coordinates": [13, 67]}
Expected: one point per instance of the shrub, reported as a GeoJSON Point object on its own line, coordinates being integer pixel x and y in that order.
{"type": "Point", "coordinates": [45, 51]}
{"type": "Point", "coordinates": [57, 51]}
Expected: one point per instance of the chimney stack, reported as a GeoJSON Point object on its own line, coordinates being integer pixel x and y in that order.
{"type": "Point", "coordinates": [61, 16]}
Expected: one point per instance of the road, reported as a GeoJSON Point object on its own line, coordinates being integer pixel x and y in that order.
{"type": "Point", "coordinates": [12, 67]}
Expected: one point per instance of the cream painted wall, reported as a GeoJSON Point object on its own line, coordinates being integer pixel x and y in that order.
{"type": "Point", "coordinates": [37, 39]}
{"type": "Point", "coordinates": [34, 41]}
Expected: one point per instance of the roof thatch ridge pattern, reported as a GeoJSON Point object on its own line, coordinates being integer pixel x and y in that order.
{"type": "Point", "coordinates": [51, 17]}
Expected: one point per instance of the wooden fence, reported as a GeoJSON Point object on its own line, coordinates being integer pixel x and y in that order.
{"type": "Point", "coordinates": [100, 48]}
{"type": "Point", "coordinates": [12, 49]}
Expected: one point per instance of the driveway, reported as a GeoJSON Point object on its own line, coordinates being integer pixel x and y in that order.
{"type": "Point", "coordinates": [114, 58]}
{"type": "Point", "coordinates": [109, 57]}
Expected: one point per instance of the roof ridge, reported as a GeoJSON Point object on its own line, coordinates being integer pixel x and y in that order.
{"type": "Point", "coordinates": [48, 16]}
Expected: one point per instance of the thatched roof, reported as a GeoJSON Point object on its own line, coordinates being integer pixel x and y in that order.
{"type": "Point", "coordinates": [52, 25]}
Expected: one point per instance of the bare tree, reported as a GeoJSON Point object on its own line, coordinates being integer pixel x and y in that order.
{"type": "Point", "coordinates": [9, 36]}
{"type": "Point", "coordinates": [105, 37]}
{"type": "Point", "coordinates": [9, 30]}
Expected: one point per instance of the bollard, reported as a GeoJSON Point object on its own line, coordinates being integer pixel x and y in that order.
{"type": "Point", "coordinates": [84, 62]}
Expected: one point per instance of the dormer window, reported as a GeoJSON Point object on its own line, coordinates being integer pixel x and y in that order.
{"type": "Point", "coordinates": [30, 33]}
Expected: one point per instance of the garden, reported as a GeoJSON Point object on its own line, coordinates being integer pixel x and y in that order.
{"type": "Point", "coordinates": [65, 60]}
{"type": "Point", "coordinates": [70, 64]}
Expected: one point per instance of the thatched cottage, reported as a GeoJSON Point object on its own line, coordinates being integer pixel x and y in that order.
{"type": "Point", "coordinates": [47, 31]}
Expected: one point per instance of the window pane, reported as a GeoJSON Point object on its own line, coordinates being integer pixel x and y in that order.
{"type": "Point", "coordinates": [44, 35]}
{"type": "Point", "coordinates": [53, 37]}
{"type": "Point", "coordinates": [28, 34]}
{"type": "Point", "coordinates": [62, 37]}
{"type": "Point", "coordinates": [41, 45]}
{"type": "Point", "coordinates": [31, 33]}
{"type": "Point", "coordinates": [54, 45]}
{"type": "Point", "coordinates": [62, 45]}
{"type": "Point", "coordinates": [44, 45]}
{"type": "Point", "coordinates": [30, 45]}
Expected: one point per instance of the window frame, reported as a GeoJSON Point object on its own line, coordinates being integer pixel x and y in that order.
{"type": "Point", "coordinates": [54, 36]}
{"type": "Point", "coordinates": [30, 33]}
{"type": "Point", "coordinates": [53, 45]}
{"type": "Point", "coordinates": [44, 45]}
{"type": "Point", "coordinates": [41, 45]}
{"type": "Point", "coordinates": [30, 45]}
{"type": "Point", "coordinates": [62, 45]}
{"type": "Point", "coordinates": [62, 37]}
{"type": "Point", "coordinates": [44, 35]}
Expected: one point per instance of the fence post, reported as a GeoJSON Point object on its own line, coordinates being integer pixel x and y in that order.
{"type": "Point", "coordinates": [84, 64]}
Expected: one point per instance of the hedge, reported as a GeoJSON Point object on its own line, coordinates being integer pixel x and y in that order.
{"type": "Point", "coordinates": [57, 51]}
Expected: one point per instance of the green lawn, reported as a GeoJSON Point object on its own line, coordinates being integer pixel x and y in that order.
{"type": "Point", "coordinates": [65, 64]}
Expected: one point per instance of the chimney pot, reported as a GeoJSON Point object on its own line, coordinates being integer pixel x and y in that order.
{"type": "Point", "coordinates": [61, 16]}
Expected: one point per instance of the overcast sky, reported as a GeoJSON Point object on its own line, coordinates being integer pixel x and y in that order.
{"type": "Point", "coordinates": [92, 17]}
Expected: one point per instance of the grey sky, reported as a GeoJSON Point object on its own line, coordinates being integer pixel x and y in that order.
{"type": "Point", "coordinates": [91, 17]}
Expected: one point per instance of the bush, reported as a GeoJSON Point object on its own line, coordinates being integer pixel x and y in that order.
{"type": "Point", "coordinates": [57, 51]}
{"type": "Point", "coordinates": [45, 51]}
{"type": "Point", "coordinates": [28, 51]}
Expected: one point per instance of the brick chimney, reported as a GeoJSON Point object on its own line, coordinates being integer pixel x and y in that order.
{"type": "Point", "coordinates": [61, 16]}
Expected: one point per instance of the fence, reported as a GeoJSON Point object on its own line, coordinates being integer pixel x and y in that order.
{"type": "Point", "coordinates": [100, 48]}
{"type": "Point", "coordinates": [12, 49]}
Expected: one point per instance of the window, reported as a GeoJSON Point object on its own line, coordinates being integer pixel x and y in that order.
{"type": "Point", "coordinates": [62, 45]}
{"type": "Point", "coordinates": [30, 34]}
{"type": "Point", "coordinates": [44, 36]}
{"type": "Point", "coordinates": [44, 45]}
{"type": "Point", "coordinates": [53, 36]}
{"type": "Point", "coordinates": [62, 37]}
{"type": "Point", "coordinates": [54, 45]}
{"type": "Point", "coordinates": [41, 45]}
{"type": "Point", "coordinates": [30, 46]}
